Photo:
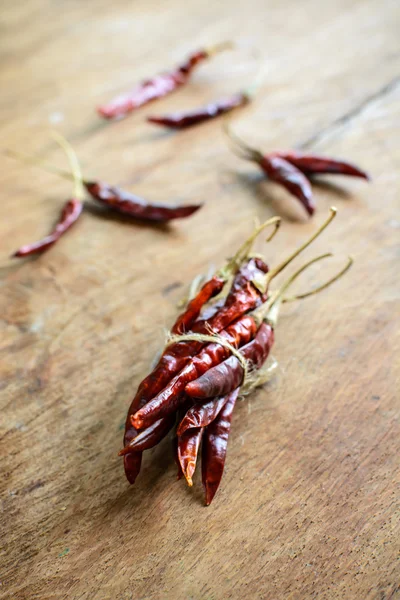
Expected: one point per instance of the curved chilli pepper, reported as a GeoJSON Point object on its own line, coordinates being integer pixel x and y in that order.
{"type": "Point", "coordinates": [147, 438]}
{"type": "Point", "coordinates": [290, 177]}
{"type": "Point", "coordinates": [215, 443]}
{"type": "Point", "coordinates": [188, 449]}
{"type": "Point", "coordinates": [70, 214]}
{"type": "Point", "coordinates": [156, 87]}
{"type": "Point", "coordinates": [183, 119]}
{"type": "Point", "coordinates": [201, 415]}
{"type": "Point", "coordinates": [228, 375]}
{"type": "Point", "coordinates": [168, 400]}
{"type": "Point", "coordinates": [128, 204]}
{"type": "Point", "coordinates": [210, 289]}
{"type": "Point", "coordinates": [311, 164]}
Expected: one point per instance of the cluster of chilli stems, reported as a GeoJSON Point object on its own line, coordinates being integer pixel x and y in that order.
{"type": "Point", "coordinates": [290, 169]}
{"type": "Point", "coordinates": [216, 353]}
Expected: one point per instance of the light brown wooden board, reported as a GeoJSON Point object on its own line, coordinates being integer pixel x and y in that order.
{"type": "Point", "coordinates": [309, 504]}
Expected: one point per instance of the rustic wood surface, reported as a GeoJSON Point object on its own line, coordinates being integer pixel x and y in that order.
{"type": "Point", "coordinates": [309, 504]}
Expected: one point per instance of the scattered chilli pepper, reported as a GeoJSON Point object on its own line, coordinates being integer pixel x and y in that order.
{"type": "Point", "coordinates": [117, 200]}
{"type": "Point", "coordinates": [70, 213]}
{"type": "Point", "coordinates": [183, 119]}
{"type": "Point", "coordinates": [214, 448]}
{"type": "Point", "coordinates": [292, 169]}
{"type": "Point", "coordinates": [201, 364]}
{"type": "Point", "coordinates": [311, 164]}
{"type": "Point", "coordinates": [158, 86]}
{"type": "Point", "coordinates": [131, 205]}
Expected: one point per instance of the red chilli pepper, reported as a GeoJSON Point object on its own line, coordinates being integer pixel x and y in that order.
{"type": "Point", "coordinates": [156, 87]}
{"type": "Point", "coordinates": [168, 400]}
{"type": "Point", "coordinates": [188, 449]}
{"type": "Point", "coordinates": [215, 444]}
{"type": "Point", "coordinates": [128, 204]}
{"type": "Point", "coordinates": [201, 415]}
{"type": "Point", "coordinates": [228, 375]}
{"type": "Point", "coordinates": [183, 119]}
{"type": "Point", "coordinates": [311, 164]}
{"type": "Point", "coordinates": [210, 289]}
{"type": "Point", "coordinates": [291, 169]}
{"type": "Point", "coordinates": [284, 173]}
{"type": "Point", "coordinates": [69, 215]}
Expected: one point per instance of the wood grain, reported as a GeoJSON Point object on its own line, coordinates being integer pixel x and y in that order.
{"type": "Point", "coordinates": [309, 503]}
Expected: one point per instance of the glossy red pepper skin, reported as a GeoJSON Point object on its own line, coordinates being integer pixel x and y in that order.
{"type": "Point", "coordinates": [69, 215]}
{"type": "Point", "coordinates": [201, 415]}
{"type": "Point", "coordinates": [128, 204]}
{"type": "Point", "coordinates": [188, 449]}
{"type": "Point", "coordinates": [290, 177]}
{"type": "Point", "coordinates": [170, 398]}
{"type": "Point", "coordinates": [210, 289]}
{"type": "Point", "coordinates": [147, 438]}
{"type": "Point", "coordinates": [311, 164]}
{"type": "Point", "coordinates": [228, 375]}
{"type": "Point", "coordinates": [215, 443]}
{"type": "Point", "coordinates": [151, 89]}
{"type": "Point", "coordinates": [184, 119]}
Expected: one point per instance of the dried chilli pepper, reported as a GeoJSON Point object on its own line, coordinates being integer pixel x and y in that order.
{"type": "Point", "coordinates": [170, 397]}
{"type": "Point", "coordinates": [163, 394]}
{"type": "Point", "coordinates": [117, 200]}
{"type": "Point", "coordinates": [70, 213]}
{"type": "Point", "coordinates": [188, 448]}
{"type": "Point", "coordinates": [158, 86]}
{"type": "Point", "coordinates": [184, 119]}
{"type": "Point", "coordinates": [228, 374]}
{"type": "Point", "coordinates": [201, 415]}
{"type": "Point", "coordinates": [292, 169]}
{"type": "Point", "coordinates": [215, 444]}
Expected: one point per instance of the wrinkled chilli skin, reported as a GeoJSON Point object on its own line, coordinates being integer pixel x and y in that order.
{"type": "Point", "coordinates": [228, 375]}
{"type": "Point", "coordinates": [215, 442]}
{"type": "Point", "coordinates": [126, 203]}
{"type": "Point", "coordinates": [70, 214]}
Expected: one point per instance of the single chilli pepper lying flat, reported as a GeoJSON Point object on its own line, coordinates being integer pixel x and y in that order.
{"type": "Point", "coordinates": [157, 86]}
{"type": "Point", "coordinates": [292, 169]}
{"type": "Point", "coordinates": [69, 215]}
{"type": "Point", "coordinates": [208, 370]}
{"type": "Point", "coordinates": [117, 200]}
{"type": "Point", "coordinates": [183, 119]}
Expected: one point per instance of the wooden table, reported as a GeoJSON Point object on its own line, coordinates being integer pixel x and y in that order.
{"type": "Point", "coordinates": [308, 506]}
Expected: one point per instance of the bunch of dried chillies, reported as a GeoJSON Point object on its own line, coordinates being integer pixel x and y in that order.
{"type": "Point", "coordinates": [216, 353]}
{"type": "Point", "coordinates": [110, 197]}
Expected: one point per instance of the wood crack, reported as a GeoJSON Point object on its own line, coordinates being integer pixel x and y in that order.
{"type": "Point", "coordinates": [344, 120]}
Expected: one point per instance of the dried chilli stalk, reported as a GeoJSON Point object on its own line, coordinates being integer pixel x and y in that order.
{"type": "Point", "coordinates": [158, 86]}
